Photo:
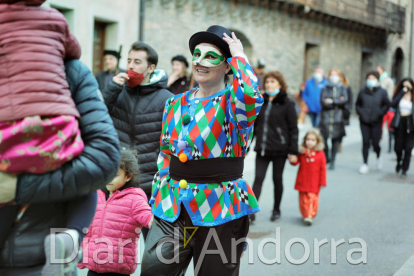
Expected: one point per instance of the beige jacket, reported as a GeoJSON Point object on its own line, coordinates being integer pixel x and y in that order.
{"type": "Point", "coordinates": [388, 84]}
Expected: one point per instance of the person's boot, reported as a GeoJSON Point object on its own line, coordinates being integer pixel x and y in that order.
{"type": "Point", "coordinates": [398, 167]}
{"type": "Point", "coordinates": [252, 218]}
{"type": "Point", "coordinates": [332, 166]}
{"type": "Point", "coordinates": [404, 175]}
{"type": "Point", "coordinates": [275, 215]}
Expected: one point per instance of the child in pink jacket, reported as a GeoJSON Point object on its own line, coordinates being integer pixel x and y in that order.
{"type": "Point", "coordinates": [112, 240]}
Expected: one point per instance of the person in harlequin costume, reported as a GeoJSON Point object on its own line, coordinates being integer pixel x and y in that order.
{"type": "Point", "coordinates": [205, 135]}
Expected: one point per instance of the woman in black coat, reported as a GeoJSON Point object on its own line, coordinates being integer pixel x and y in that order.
{"type": "Point", "coordinates": [334, 97]}
{"type": "Point", "coordinates": [403, 124]}
{"type": "Point", "coordinates": [276, 134]}
{"type": "Point", "coordinates": [371, 105]}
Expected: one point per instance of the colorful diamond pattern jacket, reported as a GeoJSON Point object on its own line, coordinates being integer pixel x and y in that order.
{"type": "Point", "coordinates": [218, 126]}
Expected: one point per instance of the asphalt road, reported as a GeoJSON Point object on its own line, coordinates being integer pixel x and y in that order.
{"type": "Point", "coordinates": [375, 208]}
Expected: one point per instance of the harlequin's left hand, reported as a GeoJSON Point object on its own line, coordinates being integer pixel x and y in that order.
{"type": "Point", "coordinates": [8, 183]}
{"type": "Point", "coordinates": [235, 45]}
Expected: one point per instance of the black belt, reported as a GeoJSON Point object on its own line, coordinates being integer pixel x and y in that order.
{"type": "Point", "coordinates": [213, 170]}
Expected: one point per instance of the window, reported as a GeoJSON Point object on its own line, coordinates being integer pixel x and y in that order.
{"type": "Point", "coordinates": [312, 55]}
{"type": "Point", "coordinates": [67, 13]}
{"type": "Point", "coordinates": [366, 64]}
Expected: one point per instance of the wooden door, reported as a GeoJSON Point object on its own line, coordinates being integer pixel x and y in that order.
{"type": "Point", "coordinates": [98, 47]}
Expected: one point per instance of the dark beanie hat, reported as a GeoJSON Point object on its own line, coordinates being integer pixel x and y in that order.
{"type": "Point", "coordinates": [112, 53]}
{"type": "Point", "coordinates": [180, 58]}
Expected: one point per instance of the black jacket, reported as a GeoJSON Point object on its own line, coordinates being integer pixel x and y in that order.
{"type": "Point", "coordinates": [275, 129]}
{"type": "Point", "coordinates": [93, 169]}
{"type": "Point", "coordinates": [100, 77]}
{"type": "Point", "coordinates": [332, 123]}
{"type": "Point", "coordinates": [372, 105]}
{"type": "Point", "coordinates": [137, 115]}
{"type": "Point", "coordinates": [397, 117]}
{"type": "Point", "coordinates": [182, 85]}
{"type": "Point", "coordinates": [348, 106]}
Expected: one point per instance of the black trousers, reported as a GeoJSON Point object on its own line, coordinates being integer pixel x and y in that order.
{"type": "Point", "coordinates": [7, 216]}
{"type": "Point", "coordinates": [330, 158]}
{"type": "Point", "coordinates": [209, 264]}
{"type": "Point", "coordinates": [404, 142]}
{"type": "Point", "coordinates": [93, 273]}
{"type": "Point", "coordinates": [262, 162]}
{"type": "Point", "coordinates": [370, 133]}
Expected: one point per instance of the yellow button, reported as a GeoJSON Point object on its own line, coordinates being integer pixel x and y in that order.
{"type": "Point", "coordinates": [183, 184]}
{"type": "Point", "coordinates": [183, 157]}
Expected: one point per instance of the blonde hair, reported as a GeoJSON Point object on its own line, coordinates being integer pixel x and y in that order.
{"type": "Point", "coordinates": [345, 80]}
{"type": "Point", "coordinates": [319, 139]}
{"type": "Point", "coordinates": [335, 70]}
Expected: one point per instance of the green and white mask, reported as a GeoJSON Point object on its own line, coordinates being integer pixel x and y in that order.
{"type": "Point", "coordinates": [207, 56]}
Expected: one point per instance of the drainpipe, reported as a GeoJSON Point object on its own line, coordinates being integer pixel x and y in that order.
{"type": "Point", "coordinates": [141, 19]}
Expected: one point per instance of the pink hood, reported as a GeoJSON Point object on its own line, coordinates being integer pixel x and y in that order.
{"type": "Point", "coordinates": [117, 221]}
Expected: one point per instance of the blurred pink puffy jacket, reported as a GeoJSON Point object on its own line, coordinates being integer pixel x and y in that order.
{"type": "Point", "coordinates": [118, 221]}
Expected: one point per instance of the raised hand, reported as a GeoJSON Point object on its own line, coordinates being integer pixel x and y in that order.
{"type": "Point", "coordinates": [120, 78]}
{"type": "Point", "coordinates": [235, 45]}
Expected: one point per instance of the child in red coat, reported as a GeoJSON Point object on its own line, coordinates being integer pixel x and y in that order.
{"type": "Point", "coordinates": [311, 175]}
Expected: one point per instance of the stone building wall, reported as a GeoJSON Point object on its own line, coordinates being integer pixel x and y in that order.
{"type": "Point", "coordinates": [278, 37]}
{"type": "Point", "coordinates": [122, 19]}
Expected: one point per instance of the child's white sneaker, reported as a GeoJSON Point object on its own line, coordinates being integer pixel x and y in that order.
{"type": "Point", "coordinates": [379, 163]}
{"type": "Point", "coordinates": [364, 169]}
{"type": "Point", "coordinates": [308, 221]}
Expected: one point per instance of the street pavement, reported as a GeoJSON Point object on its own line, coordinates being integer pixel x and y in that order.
{"type": "Point", "coordinates": [375, 208]}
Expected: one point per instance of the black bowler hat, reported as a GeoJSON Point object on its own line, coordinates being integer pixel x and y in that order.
{"type": "Point", "coordinates": [180, 58]}
{"type": "Point", "coordinates": [213, 35]}
{"type": "Point", "coordinates": [112, 53]}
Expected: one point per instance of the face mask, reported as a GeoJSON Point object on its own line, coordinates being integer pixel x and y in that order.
{"type": "Point", "coordinates": [274, 93]}
{"type": "Point", "coordinates": [207, 56]}
{"type": "Point", "coordinates": [372, 83]}
{"type": "Point", "coordinates": [318, 77]}
{"type": "Point", "coordinates": [334, 79]}
{"type": "Point", "coordinates": [135, 78]}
